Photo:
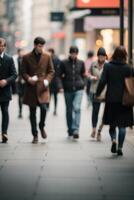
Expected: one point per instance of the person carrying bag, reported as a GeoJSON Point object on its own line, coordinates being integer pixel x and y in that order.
{"type": "Point", "coordinates": [116, 114]}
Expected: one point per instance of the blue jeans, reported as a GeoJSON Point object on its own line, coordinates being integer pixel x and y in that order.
{"type": "Point", "coordinates": [121, 135]}
{"type": "Point", "coordinates": [73, 110]}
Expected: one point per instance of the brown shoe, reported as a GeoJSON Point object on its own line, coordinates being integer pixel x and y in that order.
{"type": "Point", "coordinates": [43, 134]}
{"type": "Point", "coordinates": [35, 140]}
{"type": "Point", "coordinates": [98, 137]}
{"type": "Point", "coordinates": [93, 134]}
{"type": "Point", "coordinates": [4, 138]}
{"type": "Point", "coordinates": [76, 136]}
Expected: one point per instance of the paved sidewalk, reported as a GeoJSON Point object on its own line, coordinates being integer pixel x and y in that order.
{"type": "Point", "coordinates": [61, 168]}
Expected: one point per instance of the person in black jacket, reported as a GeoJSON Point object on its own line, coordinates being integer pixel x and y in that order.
{"type": "Point", "coordinates": [7, 77]}
{"type": "Point", "coordinates": [20, 81]}
{"type": "Point", "coordinates": [53, 84]}
{"type": "Point", "coordinates": [71, 81]}
{"type": "Point", "coordinates": [115, 113]}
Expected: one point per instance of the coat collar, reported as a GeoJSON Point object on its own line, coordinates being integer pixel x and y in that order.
{"type": "Point", "coordinates": [119, 62]}
{"type": "Point", "coordinates": [71, 60]}
{"type": "Point", "coordinates": [32, 55]}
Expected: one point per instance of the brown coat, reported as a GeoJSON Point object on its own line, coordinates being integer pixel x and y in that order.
{"type": "Point", "coordinates": [44, 70]}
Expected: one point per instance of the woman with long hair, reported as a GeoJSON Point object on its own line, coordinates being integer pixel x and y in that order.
{"type": "Point", "coordinates": [116, 115]}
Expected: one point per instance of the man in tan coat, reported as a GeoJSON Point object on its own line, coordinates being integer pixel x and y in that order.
{"type": "Point", "coordinates": [37, 71]}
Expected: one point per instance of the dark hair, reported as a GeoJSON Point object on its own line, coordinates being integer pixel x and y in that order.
{"type": "Point", "coordinates": [90, 54]}
{"type": "Point", "coordinates": [19, 50]}
{"type": "Point", "coordinates": [51, 50]}
{"type": "Point", "coordinates": [120, 54]}
{"type": "Point", "coordinates": [39, 40]}
{"type": "Point", "coordinates": [2, 40]}
{"type": "Point", "coordinates": [74, 49]}
{"type": "Point", "coordinates": [101, 52]}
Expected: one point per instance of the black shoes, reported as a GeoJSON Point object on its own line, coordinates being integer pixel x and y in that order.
{"type": "Point", "coordinates": [43, 133]}
{"type": "Point", "coordinates": [114, 147]}
{"type": "Point", "coordinates": [20, 116]}
{"type": "Point", "coordinates": [119, 152]}
{"type": "Point", "coordinates": [35, 140]}
{"type": "Point", "coordinates": [4, 138]}
{"type": "Point", "coordinates": [76, 136]}
{"type": "Point", "coordinates": [55, 113]}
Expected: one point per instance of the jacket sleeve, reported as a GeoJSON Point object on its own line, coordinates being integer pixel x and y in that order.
{"type": "Point", "coordinates": [91, 74]}
{"type": "Point", "coordinates": [12, 73]}
{"type": "Point", "coordinates": [24, 69]}
{"type": "Point", "coordinates": [102, 81]}
{"type": "Point", "coordinates": [83, 71]}
{"type": "Point", "coordinates": [50, 70]}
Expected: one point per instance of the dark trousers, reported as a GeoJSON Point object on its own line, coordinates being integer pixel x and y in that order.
{"type": "Point", "coordinates": [21, 90]}
{"type": "Point", "coordinates": [55, 95]}
{"type": "Point", "coordinates": [95, 113]}
{"type": "Point", "coordinates": [33, 120]}
{"type": "Point", "coordinates": [20, 102]}
{"type": "Point", "coordinates": [5, 116]}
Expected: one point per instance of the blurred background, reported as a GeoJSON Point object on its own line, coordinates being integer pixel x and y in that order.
{"type": "Point", "coordinates": [89, 24]}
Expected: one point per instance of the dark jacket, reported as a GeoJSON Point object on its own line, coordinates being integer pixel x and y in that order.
{"type": "Point", "coordinates": [8, 72]}
{"type": "Point", "coordinates": [114, 74]}
{"type": "Point", "coordinates": [53, 84]}
{"type": "Point", "coordinates": [44, 70]}
{"type": "Point", "coordinates": [71, 75]}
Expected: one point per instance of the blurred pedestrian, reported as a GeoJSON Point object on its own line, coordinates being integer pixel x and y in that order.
{"type": "Point", "coordinates": [20, 81]}
{"type": "Point", "coordinates": [94, 76]}
{"type": "Point", "coordinates": [71, 81]}
{"type": "Point", "coordinates": [88, 62]}
{"type": "Point", "coordinates": [116, 115]}
{"type": "Point", "coordinates": [53, 84]}
{"type": "Point", "coordinates": [37, 71]}
{"type": "Point", "coordinates": [7, 77]}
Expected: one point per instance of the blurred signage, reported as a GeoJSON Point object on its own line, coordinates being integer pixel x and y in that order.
{"type": "Point", "coordinates": [99, 11]}
{"type": "Point", "coordinates": [57, 16]}
{"type": "Point", "coordinates": [97, 3]}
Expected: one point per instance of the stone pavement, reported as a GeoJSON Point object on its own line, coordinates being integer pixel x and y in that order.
{"type": "Point", "coordinates": [61, 168]}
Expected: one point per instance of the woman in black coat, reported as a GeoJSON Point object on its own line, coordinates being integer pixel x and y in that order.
{"type": "Point", "coordinates": [115, 113]}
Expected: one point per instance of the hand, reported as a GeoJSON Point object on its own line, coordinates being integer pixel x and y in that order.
{"type": "Point", "coordinates": [61, 90]}
{"type": "Point", "coordinates": [35, 78]}
{"type": "Point", "coordinates": [3, 83]}
{"type": "Point", "coordinates": [94, 78]}
{"type": "Point", "coordinates": [46, 83]}
{"type": "Point", "coordinates": [31, 81]}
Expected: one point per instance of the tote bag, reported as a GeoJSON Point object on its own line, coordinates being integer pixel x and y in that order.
{"type": "Point", "coordinates": [128, 96]}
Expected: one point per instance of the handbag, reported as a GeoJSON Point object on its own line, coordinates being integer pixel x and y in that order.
{"type": "Point", "coordinates": [128, 96]}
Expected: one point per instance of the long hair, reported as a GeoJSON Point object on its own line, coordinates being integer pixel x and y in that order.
{"type": "Point", "coordinates": [120, 55]}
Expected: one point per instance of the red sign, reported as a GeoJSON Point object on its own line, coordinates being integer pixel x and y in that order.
{"type": "Point", "coordinates": [97, 3]}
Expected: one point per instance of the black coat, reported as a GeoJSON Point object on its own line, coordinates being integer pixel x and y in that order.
{"type": "Point", "coordinates": [71, 75]}
{"type": "Point", "coordinates": [113, 75]}
{"type": "Point", "coordinates": [8, 72]}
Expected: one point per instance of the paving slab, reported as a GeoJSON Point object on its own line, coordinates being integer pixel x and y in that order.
{"type": "Point", "coordinates": [60, 168]}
